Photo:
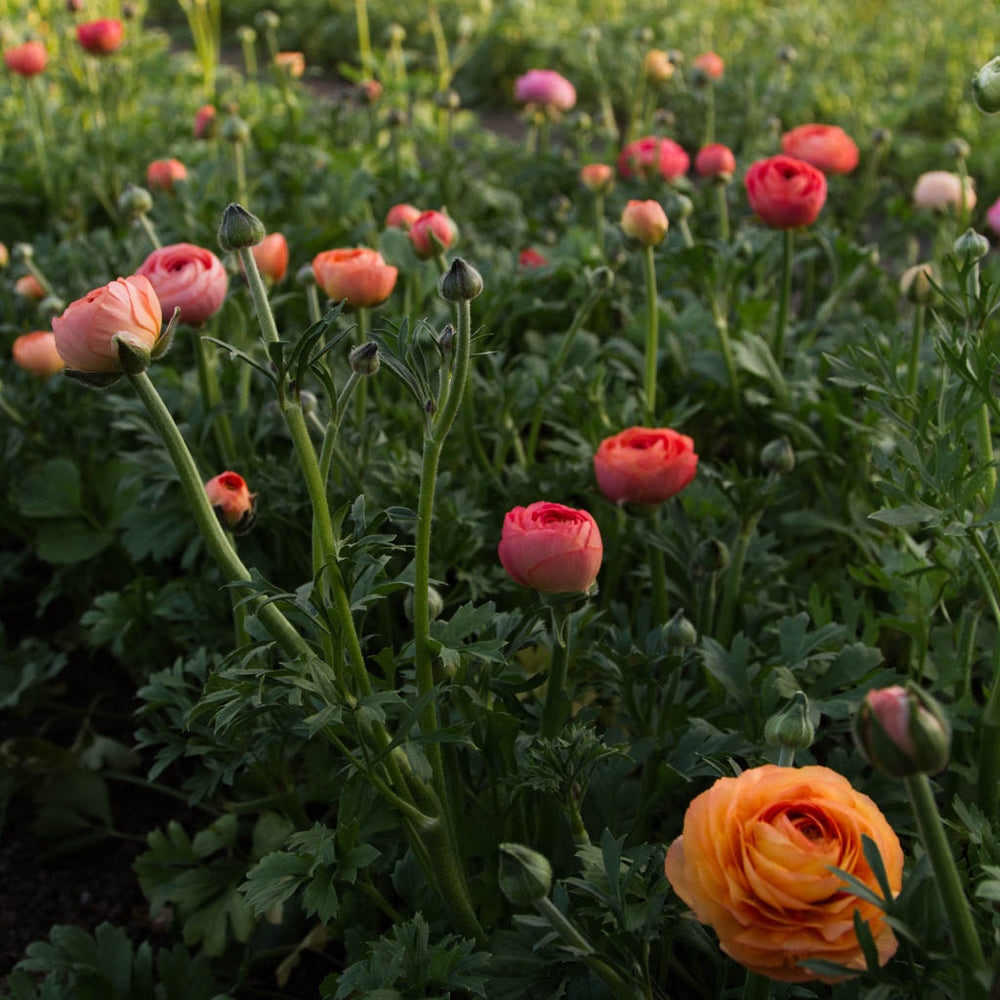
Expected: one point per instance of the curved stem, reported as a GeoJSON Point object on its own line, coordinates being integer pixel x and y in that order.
{"type": "Point", "coordinates": [652, 334]}
{"type": "Point", "coordinates": [786, 294]}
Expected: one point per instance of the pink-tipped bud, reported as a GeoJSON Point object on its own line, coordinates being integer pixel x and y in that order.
{"type": "Point", "coordinates": [205, 122]}
{"type": "Point", "coordinates": [234, 505]}
{"type": "Point", "coordinates": [645, 221]}
{"type": "Point", "coordinates": [598, 178]}
{"type": "Point", "coordinates": [902, 731]}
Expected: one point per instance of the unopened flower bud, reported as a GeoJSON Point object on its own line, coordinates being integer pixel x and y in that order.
{"type": "Point", "coordinates": [246, 34]}
{"type": "Point", "coordinates": [791, 728]}
{"type": "Point", "coordinates": [682, 206]}
{"type": "Point", "coordinates": [134, 201]}
{"type": "Point", "coordinates": [128, 10]}
{"type": "Point", "coordinates": [881, 137]}
{"type": "Point", "coordinates": [234, 505]}
{"type": "Point", "coordinates": [675, 56]}
{"type": "Point", "coordinates": [460, 283]}
{"type": "Point", "coordinates": [657, 67]}
{"type": "Point", "coordinates": [711, 556]}
{"type": "Point", "coordinates": [308, 401]}
{"type": "Point", "coordinates": [970, 247]}
{"type": "Point", "coordinates": [51, 305]}
{"type": "Point", "coordinates": [239, 229]}
{"type": "Point", "coordinates": [680, 632]}
{"type": "Point", "coordinates": [396, 34]}
{"type": "Point", "coordinates": [395, 118]}
{"type": "Point", "coordinates": [525, 875]}
{"type": "Point", "coordinates": [364, 358]}
{"type": "Point", "coordinates": [986, 87]}
{"type": "Point", "coordinates": [958, 148]}
{"type": "Point", "coordinates": [305, 275]}
{"type": "Point", "coordinates": [267, 20]}
{"type": "Point", "coordinates": [590, 35]}
{"type": "Point", "coordinates": [601, 277]}
{"type": "Point", "coordinates": [778, 455]}
{"type": "Point", "coordinates": [644, 35]}
{"type": "Point", "coordinates": [235, 130]}
{"type": "Point", "coordinates": [664, 118]}
{"type": "Point", "coordinates": [700, 77]}
{"type": "Point", "coordinates": [22, 251]}
{"type": "Point", "coordinates": [902, 731]}
{"type": "Point", "coordinates": [645, 222]}
{"type": "Point", "coordinates": [916, 284]}
{"type": "Point", "coordinates": [787, 55]}
{"type": "Point", "coordinates": [446, 342]}
{"type": "Point", "coordinates": [435, 604]}
{"type": "Point", "coordinates": [369, 91]}
{"type": "Point", "coordinates": [447, 100]}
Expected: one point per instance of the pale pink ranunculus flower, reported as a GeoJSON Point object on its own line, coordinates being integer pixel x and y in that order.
{"type": "Point", "coordinates": [941, 190]}
{"type": "Point", "coordinates": [993, 216]}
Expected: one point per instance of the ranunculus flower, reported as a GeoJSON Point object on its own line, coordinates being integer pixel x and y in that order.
{"type": "Point", "coordinates": [84, 331]}
{"type": "Point", "coordinates": [431, 222]}
{"type": "Point", "coordinates": [941, 190]}
{"type": "Point", "coordinates": [645, 465]}
{"type": "Point", "coordinates": [753, 862]}
{"type": "Point", "coordinates": [993, 216]}
{"type": "Point", "coordinates": [26, 59]}
{"type": "Point", "coordinates": [652, 153]}
{"type": "Point", "coordinates": [546, 87]}
{"type": "Point", "coordinates": [657, 67]}
{"type": "Point", "coordinates": [101, 37]}
{"type": "Point", "coordinates": [716, 161]}
{"type": "Point", "coordinates": [234, 505]}
{"type": "Point", "coordinates": [598, 178]}
{"type": "Point", "coordinates": [29, 287]}
{"type": "Point", "coordinates": [360, 276]}
{"type": "Point", "coordinates": [529, 257]}
{"type": "Point", "coordinates": [271, 255]}
{"type": "Point", "coordinates": [188, 276]}
{"type": "Point", "coordinates": [161, 175]}
{"type": "Point", "coordinates": [293, 63]}
{"type": "Point", "coordinates": [826, 147]}
{"type": "Point", "coordinates": [711, 64]}
{"type": "Point", "coordinates": [36, 353]}
{"type": "Point", "coordinates": [785, 192]}
{"type": "Point", "coordinates": [551, 548]}
{"type": "Point", "coordinates": [645, 221]}
{"type": "Point", "coordinates": [401, 216]}
{"type": "Point", "coordinates": [370, 91]}
{"type": "Point", "coordinates": [902, 731]}
{"type": "Point", "coordinates": [205, 121]}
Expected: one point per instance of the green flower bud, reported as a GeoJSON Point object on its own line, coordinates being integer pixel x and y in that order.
{"type": "Point", "coordinates": [778, 456]}
{"type": "Point", "coordinates": [21, 252]}
{"type": "Point", "coordinates": [643, 35]}
{"type": "Point", "coordinates": [447, 100]}
{"type": "Point", "coordinates": [239, 229]}
{"type": "Point", "coordinates": [396, 34]}
{"type": "Point", "coordinates": [986, 87]}
{"type": "Point", "coordinates": [51, 306]}
{"type": "Point", "coordinates": [132, 351]}
{"type": "Point", "coordinates": [305, 275]}
{"type": "Point", "coordinates": [881, 137]}
{"type": "Point", "coordinates": [787, 55]}
{"type": "Point", "coordinates": [711, 556]}
{"type": "Point", "coordinates": [682, 206]}
{"type": "Point", "coordinates": [435, 604]}
{"type": "Point", "coordinates": [460, 283]}
{"type": "Point", "coordinates": [267, 20]}
{"type": "Point", "coordinates": [364, 358]}
{"type": "Point", "coordinates": [235, 130]}
{"type": "Point", "coordinates": [680, 633]}
{"type": "Point", "coordinates": [525, 875]}
{"type": "Point", "coordinates": [958, 148]}
{"type": "Point", "coordinates": [246, 34]}
{"type": "Point", "coordinates": [971, 246]}
{"type": "Point", "coordinates": [916, 284]}
{"type": "Point", "coordinates": [134, 201]}
{"type": "Point", "coordinates": [791, 728]}
{"type": "Point", "coordinates": [601, 277]}
{"type": "Point", "coordinates": [902, 731]}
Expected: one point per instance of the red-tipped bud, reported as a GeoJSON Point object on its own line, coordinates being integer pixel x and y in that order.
{"type": "Point", "coordinates": [234, 505]}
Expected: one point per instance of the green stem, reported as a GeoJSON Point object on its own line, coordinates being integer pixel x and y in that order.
{"type": "Point", "coordinates": [720, 196]}
{"type": "Point", "coordinates": [652, 334]}
{"type": "Point", "coordinates": [599, 222]}
{"type": "Point", "coordinates": [557, 702]}
{"type": "Point", "coordinates": [725, 345]}
{"type": "Point", "coordinates": [616, 546]}
{"type": "Point", "coordinates": [935, 841]}
{"type": "Point", "coordinates": [786, 757]}
{"type": "Point", "coordinates": [734, 576]}
{"type": "Point", "coordinates": [333, 427]}
{"type": "Point", "coordinates": [150, 231]}
{"type": "Point", "coordinates": [913, 369]}
{"type": "Point", "coordinates": [280, 628]}
{"type": "Point", "coordinates": [211, 398]}
{"type": "Point", "coordinates": [241, 174]}
{"type": "Point", "coordinates": [658, 578]}
{"type": "Point", "coordinates": [364, 35]}
{"type": "Point", "coordinates": [984, 437]}
{"type": "Point", "coordinates": [312, 303]}
{"type": "Point", "coordinates": [786, 294]}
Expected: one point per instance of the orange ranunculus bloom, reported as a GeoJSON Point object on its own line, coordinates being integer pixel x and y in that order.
{"type": "Point", "coordinates": [360, 276]}
{"type": "Point", "coordinates": [754, 862]}
{"type": "Point", "coordinates": [598, 178]}
{"type": "Point", "coordinates": [645, 465]}
{"type": "Point", "coordinates": [271, 255]}
{"type": "Point", "coordinates": [826, 147]}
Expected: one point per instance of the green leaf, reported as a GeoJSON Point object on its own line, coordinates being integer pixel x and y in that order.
{"type": "Point", "coordinates": [50, 490]}
{"type": "Point", "coordinates": [907, 514]}
{"type": "Point", "coordinates": [273, 879]}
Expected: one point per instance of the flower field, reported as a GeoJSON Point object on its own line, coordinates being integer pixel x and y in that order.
{"type": "Point", "coordinates": [499, 501]}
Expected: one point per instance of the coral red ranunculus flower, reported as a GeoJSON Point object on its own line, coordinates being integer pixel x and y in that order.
{"type": "Point", "coordinates": [646, 156]}
{"type": "Point", "coordinates": [531, 258]}
{"type": "Point", "coordinates": [234, 504]}
{"type": "Point", "coordinates": [545, 87]}
{"type": "Point", "coordinates": [84, 332]}
{"type": "Point", "coordinates": [187, 276]}
{"type": "Point", "coordinates": [551, 548]}
{"type": "Point", "coordinates": [101, 37]}
{"type": "Point", "coordinates": [431, 222]}
{"type": "Point", "coordinates": [716, 161]}
{"type": "Point", "coordinates": [26, 59]}
{"type": "Point", "coordinates": [711, 64]}
{"type": "Point", "coordinates": [205, 122]}
{"type": "Point", "coordinates": [359, 275]}
{"type": "Point", "coordinates": [36, 353]}
{"type": "Point", "coordinates": [785, 192]}
{"type": "Point", "coordinates": [826, 147]}
{"type": "Point", "coordinates": [293, 63]}
{"type": "Point", "coordinates": [645, 465]}
{"type": "Point", "coordinates": [161, 175]}
{"type": "Point", "coordinates": [754, 861]}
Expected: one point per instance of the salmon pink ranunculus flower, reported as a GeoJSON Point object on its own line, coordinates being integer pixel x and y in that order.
{"type": "Point", "coordinates": [826, 147]}
{"type": "Point", "coordinates": [36, 353]}
{"type": "Point", "coordinates": [29, 287]}
{"type": "Point", "coordinates": [205, 121]}
{"type": "Point", "coordinates": [101, 37]}
{"type": "Point", "coordinates": [754, 861]}
{"type": "Point", "coordinates": [785, 192]}
{"type": "Point", "coordinates": [545, 87]}
{"type": "Point", "coordinates": [551, 548]}
{"type": "Point", "coordinates": [161, 175]}
{"type": "Point", "coordinates": [598, 178]}
{"type": "Point", "coordinates": [26, 59]}
{"type": "Point", "coordinates": [293, 63]}
{"type": "Point", "coordinates": [652, 154]}
{"type": "Point", "coordinates": [234, 505]}
{"type": "Point", "coordinates": [645, 221]}
{"type": "Point", "coordinates": [431, 222]}
{"type": "Point", "coordinates": [360, 276]}
{"type": "Point", "coordinates": [187, 276]}
{"type": "Point", "coordinates": [85, 330]}
{"type": "Point", "coordinates": [271, 255]}
{"type": "Point", "coordinates": [401, 216]}
{"type": "Point", "coordinates": [940, 190]}
{"type": "Point", "coordinates": [716, 161]}
{"type": "Point", "coordinates": [711, 64]}
{"type": "Point", "coordinates": [645, 465]}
